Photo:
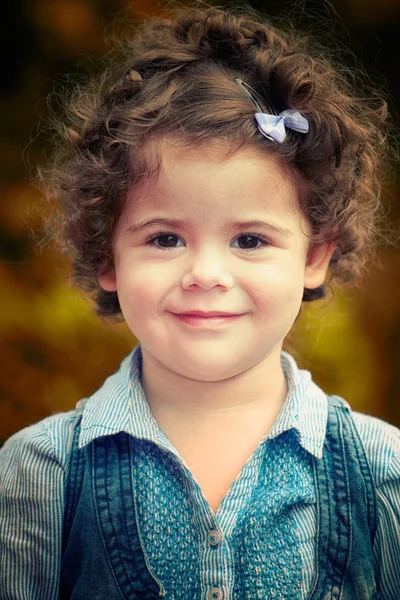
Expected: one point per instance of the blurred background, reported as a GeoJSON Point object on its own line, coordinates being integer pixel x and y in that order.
{"type": "Point", "coordinates": [53, 349]}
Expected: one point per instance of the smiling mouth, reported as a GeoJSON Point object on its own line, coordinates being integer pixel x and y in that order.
{"type": "Point", "coordinates": [194, 320]}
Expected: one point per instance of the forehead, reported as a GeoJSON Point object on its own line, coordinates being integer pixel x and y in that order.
{"type": "Point", "coordinates": [210, 176]}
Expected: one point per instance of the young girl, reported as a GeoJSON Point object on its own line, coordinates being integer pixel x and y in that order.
{"type": "Point", "coordinates": [214, 177]}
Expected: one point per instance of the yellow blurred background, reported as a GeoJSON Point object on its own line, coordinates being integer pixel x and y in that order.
{"type": "Point", "coordinates": [53, 349]}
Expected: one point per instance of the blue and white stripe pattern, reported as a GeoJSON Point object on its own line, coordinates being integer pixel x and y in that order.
{"type": "Point", "coordinates": [32, 472]}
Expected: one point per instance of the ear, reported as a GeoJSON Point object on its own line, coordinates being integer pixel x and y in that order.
{"type": "Point", "coordinates": [318, 258]}
{"type": "Point", "coordinates": [108, 281]}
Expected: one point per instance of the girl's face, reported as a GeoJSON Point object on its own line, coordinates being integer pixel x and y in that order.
{"type": "Point", "coordinates": [209, 262]}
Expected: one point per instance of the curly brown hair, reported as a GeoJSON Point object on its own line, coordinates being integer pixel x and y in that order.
{"type": "Point", "coordinates": [175, 77]}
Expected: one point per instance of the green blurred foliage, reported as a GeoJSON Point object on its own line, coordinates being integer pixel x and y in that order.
{"type": "Point", "coordinates": [53, 349]}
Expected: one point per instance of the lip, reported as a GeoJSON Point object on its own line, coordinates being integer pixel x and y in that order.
{"type": "Point", "coordinates": [209, 314]}
{"type": "Point", "coordinates": [206, 322]}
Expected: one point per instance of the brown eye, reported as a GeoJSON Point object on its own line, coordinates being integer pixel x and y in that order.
{"type": "Point", "coordinates": [255, 239]}
{"type": "Point", "coordinates": [164, 241]}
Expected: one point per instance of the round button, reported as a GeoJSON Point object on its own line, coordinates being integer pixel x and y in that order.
{"type": "Point", "coordinates": [215, 594]}
{"type": "Point", "coordinates": [214, 537]}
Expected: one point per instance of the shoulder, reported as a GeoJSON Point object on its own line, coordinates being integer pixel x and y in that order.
{"type": "Point", "coordinates": [32, 497]}
{"type": "Point", "coordinates": [382, 446]}
{"type": "Point", "coordinates": [381, 442]}
{"type": "Point", "coordinates": [47, 440]}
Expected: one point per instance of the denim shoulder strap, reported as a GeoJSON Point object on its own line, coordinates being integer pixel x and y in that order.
{"type": "Point", "coordinates": [346, 512]}
{"type": "Point", "coordinates": [357, 452]}
{"type": "Point", "coordinates": [74, 478]}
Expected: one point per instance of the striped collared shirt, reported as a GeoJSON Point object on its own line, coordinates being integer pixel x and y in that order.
{"type": "Point", "coordinates": [33, 463]}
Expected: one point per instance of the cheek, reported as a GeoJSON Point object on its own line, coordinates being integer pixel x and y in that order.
{"type": "Point", "coordinates": [278, 282]}
{"type": "Point", "coordinates": [144, 286]}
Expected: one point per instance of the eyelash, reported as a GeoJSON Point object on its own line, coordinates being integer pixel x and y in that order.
{"type": "Point", "coordinates": [264, 242]}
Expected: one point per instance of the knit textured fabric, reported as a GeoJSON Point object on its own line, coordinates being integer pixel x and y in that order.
{"type": "Point", "coordinates": [262, 537]}
{"type": "Point", "coordinates": [170, 540]}
{"type": "Point", "coordinates": [266, 538]}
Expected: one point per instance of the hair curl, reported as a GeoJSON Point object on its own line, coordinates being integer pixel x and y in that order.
{"type": "Point", "coordinates": [175, 77]}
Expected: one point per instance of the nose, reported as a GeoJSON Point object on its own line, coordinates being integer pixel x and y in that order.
{"type": "Point", "coordinates": [207, 270]}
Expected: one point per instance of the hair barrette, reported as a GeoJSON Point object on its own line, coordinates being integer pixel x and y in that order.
{"type": "Point", "coordinates": [272, 125]}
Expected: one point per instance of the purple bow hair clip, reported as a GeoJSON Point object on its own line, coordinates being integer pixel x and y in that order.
{"type": "Point", "coordinates": [271, 125]}
{"type": "Point", "coordinates": [274, 126]}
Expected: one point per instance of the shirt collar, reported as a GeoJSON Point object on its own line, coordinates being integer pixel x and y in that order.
{"type": "Point", "coordinates": [120, 405]}
{"type": "Point", "coordinates": [305, 408]}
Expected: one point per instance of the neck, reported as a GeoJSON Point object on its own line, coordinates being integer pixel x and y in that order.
{"type": "Point", "coordinates": [252, 398]}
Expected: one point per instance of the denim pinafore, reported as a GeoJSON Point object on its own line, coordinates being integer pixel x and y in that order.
{"type": "Point", "coordinates": [102, 548]}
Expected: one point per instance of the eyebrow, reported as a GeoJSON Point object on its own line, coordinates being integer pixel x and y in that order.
{"type": "Point", "coordinates": [185, 225]}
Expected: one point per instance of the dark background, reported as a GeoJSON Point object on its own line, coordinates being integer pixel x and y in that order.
{"type": "Point", "coordinates": [53, 349]}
